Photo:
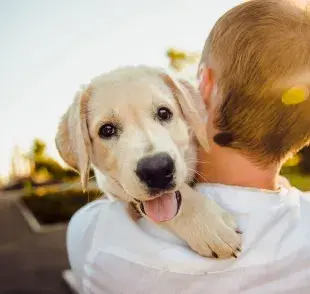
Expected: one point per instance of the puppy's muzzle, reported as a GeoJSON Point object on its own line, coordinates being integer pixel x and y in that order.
{"type": "Point", "coordinates": [157, 172]}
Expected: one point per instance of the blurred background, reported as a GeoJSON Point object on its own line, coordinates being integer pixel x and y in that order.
{"type": "Point", "coordinates": [48, 50]}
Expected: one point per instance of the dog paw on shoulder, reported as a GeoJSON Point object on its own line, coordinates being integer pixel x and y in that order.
{"type": "Point", "coordinates": [208, 229]}
{"type": "Point", "coordinates": [217, 238]}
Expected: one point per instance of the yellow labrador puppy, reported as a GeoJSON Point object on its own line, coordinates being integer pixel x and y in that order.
{"type": "Point", "coordinates": [137, 127]}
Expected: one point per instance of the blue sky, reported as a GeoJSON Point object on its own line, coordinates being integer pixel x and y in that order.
{"type": "Point", "coordinates": [50, 47]}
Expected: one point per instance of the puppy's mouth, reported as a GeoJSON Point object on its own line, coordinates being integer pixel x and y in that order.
{"type": "Point", "coordinates": [162, 208]}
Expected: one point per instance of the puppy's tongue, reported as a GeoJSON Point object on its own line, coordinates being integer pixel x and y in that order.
{"type": "Point", "coordinates": [162, 208]}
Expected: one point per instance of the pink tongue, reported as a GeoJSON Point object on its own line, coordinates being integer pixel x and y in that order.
{"type": "Point", "coordinates": [162, 208]}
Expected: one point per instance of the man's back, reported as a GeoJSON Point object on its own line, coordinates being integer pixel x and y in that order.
{"type": "Point", "coordinates": [111, 254]}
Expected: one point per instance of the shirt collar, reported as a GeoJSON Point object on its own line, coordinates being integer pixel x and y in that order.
{"type": "Point", "coordinates": [243, 200]}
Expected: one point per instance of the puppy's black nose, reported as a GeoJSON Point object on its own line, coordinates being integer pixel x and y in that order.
{"type": "Point", "coordinates": [156, 171]}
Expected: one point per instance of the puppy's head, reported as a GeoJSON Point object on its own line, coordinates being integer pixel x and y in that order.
{"type": "Point", "coordinates": [132, 125]}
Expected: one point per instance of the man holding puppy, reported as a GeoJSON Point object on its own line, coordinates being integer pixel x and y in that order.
{"type": "Point", "coordinates": [255, 81]}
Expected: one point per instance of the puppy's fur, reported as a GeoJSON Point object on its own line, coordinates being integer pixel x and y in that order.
{"type": "Point", "coordinates": [129, 98]}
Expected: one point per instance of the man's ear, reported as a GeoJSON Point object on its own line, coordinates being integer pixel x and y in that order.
{"type": "Point", "coordinates": [72, 138]}
{"type": "Point", "coordinates": [205, 77]}
{"type": "Point", "coordinates": [188, 98]}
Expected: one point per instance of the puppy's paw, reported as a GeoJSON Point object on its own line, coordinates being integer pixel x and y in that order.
{"type": "Point", "coordinates": [205, 226]}
{"type": "Point", "coordinates": [214, 233]}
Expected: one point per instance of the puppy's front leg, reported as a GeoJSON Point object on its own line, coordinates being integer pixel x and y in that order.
{"type": "Point", "coordinates": [205, 226]}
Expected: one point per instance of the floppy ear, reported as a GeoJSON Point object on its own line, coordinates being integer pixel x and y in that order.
{"type": "Point", "coordinates": [188, 98]}
{"type": "Point", "coordinates": [72, 138]}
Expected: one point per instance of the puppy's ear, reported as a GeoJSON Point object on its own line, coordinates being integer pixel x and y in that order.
{"type": "Point", "coordinates": [188, 98]}
{"type": "Point", "coordinates": [72, 139]}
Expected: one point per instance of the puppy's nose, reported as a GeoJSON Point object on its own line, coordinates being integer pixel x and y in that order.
{"type": "Point", "coordinates": [156, 171]}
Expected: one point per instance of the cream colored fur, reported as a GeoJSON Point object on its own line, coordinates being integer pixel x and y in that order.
{"type": "Point", "coordinates": [129, 96]}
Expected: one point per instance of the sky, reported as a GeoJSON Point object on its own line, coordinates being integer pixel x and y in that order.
{"type": "Point", "coordinates": [51, 47]}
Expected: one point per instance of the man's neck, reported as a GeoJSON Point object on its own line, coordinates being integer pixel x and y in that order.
{"type": "Point", "coordinates": [229, 167]}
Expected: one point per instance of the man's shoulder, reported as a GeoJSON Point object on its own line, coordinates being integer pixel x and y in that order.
{"type": "Point", "coordinates": [88, 213]}
{"type": "Point", "coordinates": [83, 227]}
{"type": "Point", "coordinates": [219, 192]}
{"type": "Point", "coordinates": [217, 189]}
{"type": "Point", "coordinates": [83, 221]}
{"type": "Point", "coordinates": [257, 209]}
{"type": "Point", "coordinates": [305, 197]}
{"type": "Point", "coordinates": [92, 207]}
{"type": "Point", "coordinates": [86, 217]}
{"type": "Point", "coordinates": [304, 204]}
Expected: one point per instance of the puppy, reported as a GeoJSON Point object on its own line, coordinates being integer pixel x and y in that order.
{"type": "Point", "coordinates": [137, 127]}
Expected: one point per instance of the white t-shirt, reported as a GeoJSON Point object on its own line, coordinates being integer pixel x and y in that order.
{"type": "Point", "coordinates": [110, 253]}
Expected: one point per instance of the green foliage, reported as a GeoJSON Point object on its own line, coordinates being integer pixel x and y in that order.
{"type": "Point", "coordinates": [305, 160]}
{"type": "Point", "coordinates": [52, 207]}
{"type": "Point", "coordinates": [297, 178]}
{"type": "Point", "coordinates": [297, 170]}
{"type": "Point", "coordinates": [294, 161]}
{"type": "Point", "coordinates": [179, 59]}
{"type": "Point", "coordinates": [28, 188]}
{"type": "Point", "coordinates": [38, 148]}
{"type": "Point", "coordinates": [46, 167]}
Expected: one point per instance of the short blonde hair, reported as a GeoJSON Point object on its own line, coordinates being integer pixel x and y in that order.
{"type": "Point", "coordinates": [261, 48]}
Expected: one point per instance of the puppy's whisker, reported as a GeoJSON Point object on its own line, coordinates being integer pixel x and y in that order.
{"type": "Point", "coordinates": [99, 194]}
{"type": "Point", "coordinates": [192, 158]}
{"type": "Point", "coordinates": [124, 162]}
{"type": "Point", "coordinates": [197, 161]}
{"type": "Point", "coordinates": [200, 175]}
{"type": "Point", "coordinates": [91, 178]}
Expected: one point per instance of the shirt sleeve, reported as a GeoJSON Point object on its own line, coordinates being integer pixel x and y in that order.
{"type": "Point", "coordinates": [79, 234]}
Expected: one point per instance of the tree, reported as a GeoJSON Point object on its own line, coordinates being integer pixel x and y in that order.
{"type": "Point", "coordinates": [38, 148]}
{"type": "Point", "coordinates": [305, 160]}
{"type": "Point", "coordinates": [45, 168]}
{"type": "Point", "coordinates": [180, 59]}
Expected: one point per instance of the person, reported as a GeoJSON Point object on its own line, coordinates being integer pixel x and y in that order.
{"type": "Point", "coordinates": [254, 77]}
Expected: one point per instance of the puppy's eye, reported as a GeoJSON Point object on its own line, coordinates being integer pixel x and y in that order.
{"type": "Point", "coordinates": [164, 114]}
{"type": "Point", "coordinates": [107, 131]}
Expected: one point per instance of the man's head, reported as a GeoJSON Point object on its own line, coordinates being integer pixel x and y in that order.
{"type": "Point", "coordinates": [254, 54]}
